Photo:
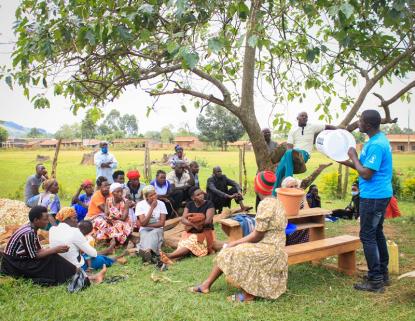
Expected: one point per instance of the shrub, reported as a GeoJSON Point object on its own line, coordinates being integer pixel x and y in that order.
{"type": "Point", "coordinates": [396, 184]}
{"type": "Point", "coordinates": [329, 184]}
{"type": "Point", "coordinates": [408, 190]}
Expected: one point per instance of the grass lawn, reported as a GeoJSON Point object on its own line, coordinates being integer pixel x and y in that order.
{"type": "Point", "coordinates": [314, 293]}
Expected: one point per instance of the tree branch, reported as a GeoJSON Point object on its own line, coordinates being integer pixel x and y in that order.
{"type": "Point", "coordinates": [372, 82]}
{"type": "Point", "coordinates": [193, 93]}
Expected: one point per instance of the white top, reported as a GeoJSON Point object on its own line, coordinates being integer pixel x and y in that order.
{"type": "Point", "coordinates": [143, 207]}
{"type": "Point", "coordinates": [173, 179]}
{"type": "Point", "coordinates": [63, 234]}
{"type": "Point", "coordinates": [99, 159]}
{"type": "Point", "coordinates": [304, 139]}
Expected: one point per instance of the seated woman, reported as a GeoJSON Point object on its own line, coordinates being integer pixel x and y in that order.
{"type": "Point", "coordinates": [351, 210]}
{"type": "Point", "coordinates": [313, 199]}
{"type": "Point", "coordinates": [257, 263]}
{"type": "Point", "coordinates": [24, 256]}
{"type": "Point", "coordinates": [163, 189]}
{"type": "Point", "coordinates": [50, 199]}
{"type": "Point", "coordinates": [152, 215]}
{"type": "Point", "coordinates": [67, 233]}
{"type": "Point", "coordinates": [81, 202]}
{"type": "Point", "coordinates": [114, 223]}
{"type": "Point", "coordinates": [301, 236]}
{"type": "Point", "coordinates": [179, 156]}
{"type": "Point", "coordinates": [199, 235]}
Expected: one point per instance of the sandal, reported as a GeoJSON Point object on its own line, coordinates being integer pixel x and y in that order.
{"type": "Point", "coordinates": [198, 289]}
{"type": "Point", "coordinates": [165, 259]}
{"type": "Point", "coordinates": [239, 297]}
{"type": "Point", "coordinates": [115, 279]}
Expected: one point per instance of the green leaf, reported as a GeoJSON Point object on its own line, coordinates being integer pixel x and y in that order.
{"type": "Point", "coordinates": [243, 10]}
{"type": "Point", "coordinates": [124, 33]}
{"type": "Point", "coordinates": [215, 44]}
{"type": "Point", "coordinates": [26, 92]}
{"type": "Point", "coordinates": [146, 8]}
{"type": "Point", "coordinates": [90, 37]}
{"type": "Point", "coordinates": [172, 47]}
{"type": "Point", "coordinates": [183, 107]}
{"type": "Point", "coordinates": [347, 9]}
{"type": "Point", "coordinates": [8, 80]}
{"type": "Point", "coordinates": [310, 55]}
{"type": "Point", "coordinates": [252, 41]}
{"type": "Point", "coordinates": [190, 59]}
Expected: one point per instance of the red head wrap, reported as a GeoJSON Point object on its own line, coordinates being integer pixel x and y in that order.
{"type": "Point", "coordinates": [134, 174]}
{"type": "Point", "coordinates": [264, 182]}
{"type": "Point", "coordinates": [87, 182]}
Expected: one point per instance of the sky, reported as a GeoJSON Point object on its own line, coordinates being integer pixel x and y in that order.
{"type": "Point", "coordinates": [17, 108]}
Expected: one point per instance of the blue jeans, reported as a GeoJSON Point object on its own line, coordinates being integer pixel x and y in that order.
{"type": "Point", "coordinates": [372, 215]}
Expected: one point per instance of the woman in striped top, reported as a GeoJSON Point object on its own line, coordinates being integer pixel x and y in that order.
{"type": "Point", "coordinates": [24, 256]}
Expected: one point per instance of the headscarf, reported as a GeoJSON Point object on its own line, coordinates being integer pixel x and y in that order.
{"type": "Point", "coordinates": [290, 179]}
{"type": "Point", "coordinates": [147, 190]}
{"type": "Point", "coordinates": [177, 148]}
{"type": "Point", "coordinates": [48, 184]}
{"type": "Point", "coordinates": [264, 182]}
{"type": "Point", "coordinates": [87, 182]}
{"type": "Point", "coordinates": [133, 174]}
{"type": "Point", "coordinates": [115, 186]}
{"type": "Point", "coordinates": [65, 213]}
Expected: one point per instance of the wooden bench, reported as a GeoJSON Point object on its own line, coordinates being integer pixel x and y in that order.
{"type": "Point", "coordinates": [343, 246]}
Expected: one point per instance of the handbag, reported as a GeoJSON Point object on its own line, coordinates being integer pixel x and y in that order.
{"type": "Point", "coordinates": [79, 282]}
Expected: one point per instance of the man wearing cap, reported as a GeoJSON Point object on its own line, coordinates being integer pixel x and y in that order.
{"type": "Point", "coordinates": [105, 162]}
{"type": "Point", "coordinates": [81, 202]}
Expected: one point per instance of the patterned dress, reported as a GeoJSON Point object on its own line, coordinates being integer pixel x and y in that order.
{"type": "Point", "coordinates": [111, 226]}
{"type": "Point", "coordinates": [261, 268]}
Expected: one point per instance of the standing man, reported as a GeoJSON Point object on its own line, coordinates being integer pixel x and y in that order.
{"type": "Point", "coordinates": [218, 192]}
{"type": "Point", "coordinates": [267, 136]}
{"type": "Point", "coordinates": [375, 183]}
{"type": "Point", "coordinates": [105, 162]}
{"type": "Point", "coordinates": [33, 183]}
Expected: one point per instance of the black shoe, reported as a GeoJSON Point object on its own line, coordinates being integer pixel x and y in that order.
{"type": "Point", "coordinates": [386, 279]}
{"type": "Point", "coordinates": [145, 256]}
{"type": "Point", "coordinates": [370, 286]}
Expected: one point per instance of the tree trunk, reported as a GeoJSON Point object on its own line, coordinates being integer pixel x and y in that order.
{"type": "Point", "coordinates": [246, 112]}
{"type": "Point", "coordinates": [339, 181]}
{"type": "Point", "coordinates": [345, 182]}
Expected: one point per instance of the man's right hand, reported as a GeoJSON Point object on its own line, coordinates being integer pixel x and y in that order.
{"type": "Point", "coordinates": [61, 249]}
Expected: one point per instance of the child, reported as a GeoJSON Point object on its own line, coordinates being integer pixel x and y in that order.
{"type": "Point", "coordinates": [92, 262]}
{"type": "Point", "coordinates": [80, 203]}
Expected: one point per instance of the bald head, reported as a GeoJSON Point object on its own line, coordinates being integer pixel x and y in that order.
{"type": "Point", "coordinates": [302, 118]}
{"type": "Point", "coordinates": [217, 171]}
{"type": "Point", "coordinates": [267, 134]}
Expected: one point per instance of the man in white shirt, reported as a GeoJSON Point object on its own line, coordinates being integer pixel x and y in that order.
{"type": "Point", "coordinates": [180, 182]}
{"type": "Point", "coordinates": [105, 162]}
{"type": "Point", "coordinates": [294, 155]}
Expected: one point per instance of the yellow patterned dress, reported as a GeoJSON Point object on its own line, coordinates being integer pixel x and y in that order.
{"type": "Point", "coordinates": [261, 268]}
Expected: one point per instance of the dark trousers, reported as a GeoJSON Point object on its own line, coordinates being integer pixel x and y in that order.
{"type": "Point", "coordinates": [178, 197]}
{"type": "Point", "coordinates": [221, 202]}
{"type": "Point", "coordinates": [372, 215]}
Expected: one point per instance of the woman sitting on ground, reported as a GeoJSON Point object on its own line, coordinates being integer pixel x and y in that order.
{"type": "Point", "coordinates": [24, 256]}
{"type": "Point", "coordinates": [257, 263]}
{"type": "Point", "coordinates": [67, 233]}
{"type": "Point", "coordinates": [114, 224]}
{"type": "Point", "coordinates": [152, 215]}
{"type": "Point", "coordinates": [199, 235]}
{"type": "Point", "coordinates": [301, 236]}
{"type": "Point", "coordinates": [179, 156]}
{"type": "Point", "coordinates": [50, 199]}
{"type": "Point", "coordinates": [81, 202]}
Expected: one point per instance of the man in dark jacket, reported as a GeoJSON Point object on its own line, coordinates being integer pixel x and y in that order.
{"type": "Point", "coordinates": [218, 192]}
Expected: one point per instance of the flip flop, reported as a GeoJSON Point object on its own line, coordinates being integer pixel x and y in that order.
{"type": "Point", "coordinates": [197, 289]}
{"type": "Point", "coordinates": [115, 279]}
{"type": "Point", "coordinates": [238, 297]}
{"type": "Point", "coordinates": [164, 258]}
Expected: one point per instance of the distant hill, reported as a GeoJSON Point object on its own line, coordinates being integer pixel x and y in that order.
{"type": "Point", "coordinates": [17, 131]}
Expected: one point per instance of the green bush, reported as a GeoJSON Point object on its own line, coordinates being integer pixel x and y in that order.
{"type": "Point", "coordinates": [329, 184]}
{"type": "Point", "coordinates": [396, 184]}
{"type": "Point", "coordinates": [408, 190]}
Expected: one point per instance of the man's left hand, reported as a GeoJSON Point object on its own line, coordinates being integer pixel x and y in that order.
{"type": "Point", "coordinates": [352, 153]}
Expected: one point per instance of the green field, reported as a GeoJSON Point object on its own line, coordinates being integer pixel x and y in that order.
{"type": "Point", "coordinates": [314, 293]}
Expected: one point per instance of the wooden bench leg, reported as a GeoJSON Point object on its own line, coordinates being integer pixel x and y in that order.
{"type": "Point", "coordinates": [233, 233]}
{"type": "Point", "coordinates": [347, 263]}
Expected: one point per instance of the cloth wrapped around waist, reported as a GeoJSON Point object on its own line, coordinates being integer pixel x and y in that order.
{"type": "Point", "coordinates": [203, 231]}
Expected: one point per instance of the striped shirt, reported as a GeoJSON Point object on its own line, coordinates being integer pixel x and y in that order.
{"type": "Point", "coordinates": [24, 243]}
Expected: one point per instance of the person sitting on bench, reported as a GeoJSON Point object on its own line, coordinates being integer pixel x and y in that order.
{"type": "Point", "coordinates": [180, 182]}
{"type": "Point", "coordinates": [218, 192]}
{"type": "Point", "coordinates": [351, 210]}
{"type": "Point", "coordinates": [257, 263]}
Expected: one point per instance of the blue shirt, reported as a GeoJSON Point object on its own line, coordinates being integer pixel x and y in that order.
{"type": "Point", "coordinates": [377, 156]}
